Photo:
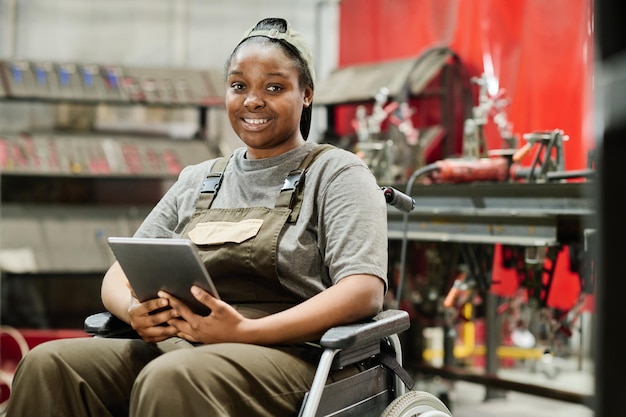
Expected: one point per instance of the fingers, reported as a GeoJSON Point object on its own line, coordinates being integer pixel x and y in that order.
{"type": "Point", "coordinates": [179, 308]}
{"type": "Point", "coordinates": [204, 297]}
{"type": "Point", "coordinates": [183, 329]}
{"type": "Point", "coordinates": [148, 307]}
{"type": "Point", "coordinates": [158, 333]}
{"type": "Point", "coordinates": [149, 320]}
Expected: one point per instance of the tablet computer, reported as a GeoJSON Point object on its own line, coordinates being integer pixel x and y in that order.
{"type": "Point", "coordinates": [171, 265]}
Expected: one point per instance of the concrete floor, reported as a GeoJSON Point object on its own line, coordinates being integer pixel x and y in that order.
{"type": "Point", "coordinates": [468, 399]}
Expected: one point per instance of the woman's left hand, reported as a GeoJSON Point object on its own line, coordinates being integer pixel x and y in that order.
{"type": "Point", "coordinates": [224, 324]}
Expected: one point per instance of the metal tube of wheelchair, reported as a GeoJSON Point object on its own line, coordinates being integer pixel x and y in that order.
{"type": "Point", "coordinates": [399, 386]}
{"type": "Point", "coordinates": [319, 382]}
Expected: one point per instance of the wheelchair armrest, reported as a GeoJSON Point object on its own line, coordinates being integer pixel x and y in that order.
{"type": "Point", "coordinates": [382, 325]}
{"type": "Point", "coordinates": [105, 324]}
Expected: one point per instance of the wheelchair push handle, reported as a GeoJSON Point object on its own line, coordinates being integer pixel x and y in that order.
{"type": "Point", "coordinates": [398, 199]}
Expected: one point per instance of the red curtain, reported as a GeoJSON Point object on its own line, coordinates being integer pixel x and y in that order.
{"type": "Point", "coordinates": [539, 52]}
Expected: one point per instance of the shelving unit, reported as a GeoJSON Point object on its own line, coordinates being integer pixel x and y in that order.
{"type": "Point", "coordinates": [121, 136]}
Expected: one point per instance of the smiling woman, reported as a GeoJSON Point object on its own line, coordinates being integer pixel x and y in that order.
{"type": "Point", "coordinates": [316, 258]}
{"type": "Point", "coordinates": [264, 97]}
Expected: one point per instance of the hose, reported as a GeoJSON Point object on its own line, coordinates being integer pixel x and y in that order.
{"type": "Point", "coordinates": [427, 169]}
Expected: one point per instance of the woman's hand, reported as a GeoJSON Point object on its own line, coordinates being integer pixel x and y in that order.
{"type": "Point", "coordinates": [353, 298]}
{"type": "Point", "coordinates": [149, 319]}
{"type": "Point", "coordinates": [224, 324]}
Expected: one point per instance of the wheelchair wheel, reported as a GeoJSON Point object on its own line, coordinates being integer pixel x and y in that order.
{"type": "Point", "coordinates": [416, 403]}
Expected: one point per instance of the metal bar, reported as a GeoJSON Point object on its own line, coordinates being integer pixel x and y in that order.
{"type": "Point", "coordinates": [493, 340]}
{"type": "Point", "coordinates": [319, 382]}
{"type": "Point", "coordinates": [394, 339]}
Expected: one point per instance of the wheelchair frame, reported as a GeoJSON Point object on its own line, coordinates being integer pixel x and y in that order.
{"type": "Point", "coordinates": [344, 345]}
{"type": "Point", "coordinates": [368, 393]}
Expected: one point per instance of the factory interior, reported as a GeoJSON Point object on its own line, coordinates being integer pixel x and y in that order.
{"type": "Point", "coordinates": [504, 124]}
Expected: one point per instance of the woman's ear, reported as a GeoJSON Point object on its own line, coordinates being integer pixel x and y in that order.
{"type": "Point", "coordinates": [308, 97]}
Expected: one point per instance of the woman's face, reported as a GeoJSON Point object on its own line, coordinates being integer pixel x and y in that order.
{"type": "Point", "coordinates": [264, 100]}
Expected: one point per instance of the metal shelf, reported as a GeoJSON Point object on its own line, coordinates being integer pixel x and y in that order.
{"type": "Point", "coordinates": [61, 238]}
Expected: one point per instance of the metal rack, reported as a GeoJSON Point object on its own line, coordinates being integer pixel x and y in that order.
{"type": "Point", "coordinates": [65, 188]}
{"type": "Point", "coordinates": [485, 214]}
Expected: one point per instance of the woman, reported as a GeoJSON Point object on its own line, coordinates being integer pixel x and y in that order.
{"type": "Point", "coordinates": [318, 259]}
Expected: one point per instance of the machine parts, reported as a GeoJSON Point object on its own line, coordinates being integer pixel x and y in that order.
{"type": "Point", "coordinates": [489, 106]}
{"type": "Point", "coordinates": [90, 82]}
{"type": "Point", "coordinates": [506, 164]}
{"type": "Point", "coordinates": [376, 147]}
{"type": "Point", "coordinates": [416, 109]}
{"type": "Point", "coordinates": [92, 155]}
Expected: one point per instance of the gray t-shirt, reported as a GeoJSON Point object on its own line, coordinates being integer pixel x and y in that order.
{"type": "Point", "coordinates": [341, 230]}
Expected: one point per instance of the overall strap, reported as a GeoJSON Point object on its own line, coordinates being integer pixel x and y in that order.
{"type": "Point", "coordinates": [211, 183]}
{"type": "Point", "coordinates": [291, 194]}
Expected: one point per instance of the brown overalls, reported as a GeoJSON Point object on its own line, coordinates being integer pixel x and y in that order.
{"type": "Point", "coordinates": [239, 245]}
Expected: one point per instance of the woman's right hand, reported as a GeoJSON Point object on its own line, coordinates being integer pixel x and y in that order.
{"type": "Point", "coordinates": [145, 318]}
{"type": "Point", "coordinates": [149, 319]}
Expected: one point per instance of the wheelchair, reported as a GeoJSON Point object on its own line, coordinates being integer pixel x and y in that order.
{"type": "Point", "coordinates": [379, 390]}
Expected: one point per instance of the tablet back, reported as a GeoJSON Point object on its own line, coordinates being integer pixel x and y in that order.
{"type": "Point", "coordinates": [171, 265]}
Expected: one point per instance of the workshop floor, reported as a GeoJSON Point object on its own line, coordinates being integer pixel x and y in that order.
{"type": "Point", "coordinates": [468, 399]}
{"type": "Point", "coordinates": [469, 402]}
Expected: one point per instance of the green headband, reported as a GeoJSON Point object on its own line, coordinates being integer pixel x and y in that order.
{"type": "Point", "coordinates": [292, 37]}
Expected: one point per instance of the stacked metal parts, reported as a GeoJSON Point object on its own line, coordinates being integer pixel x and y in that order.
{"type": "Point", "coordinates": [93, 82]}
